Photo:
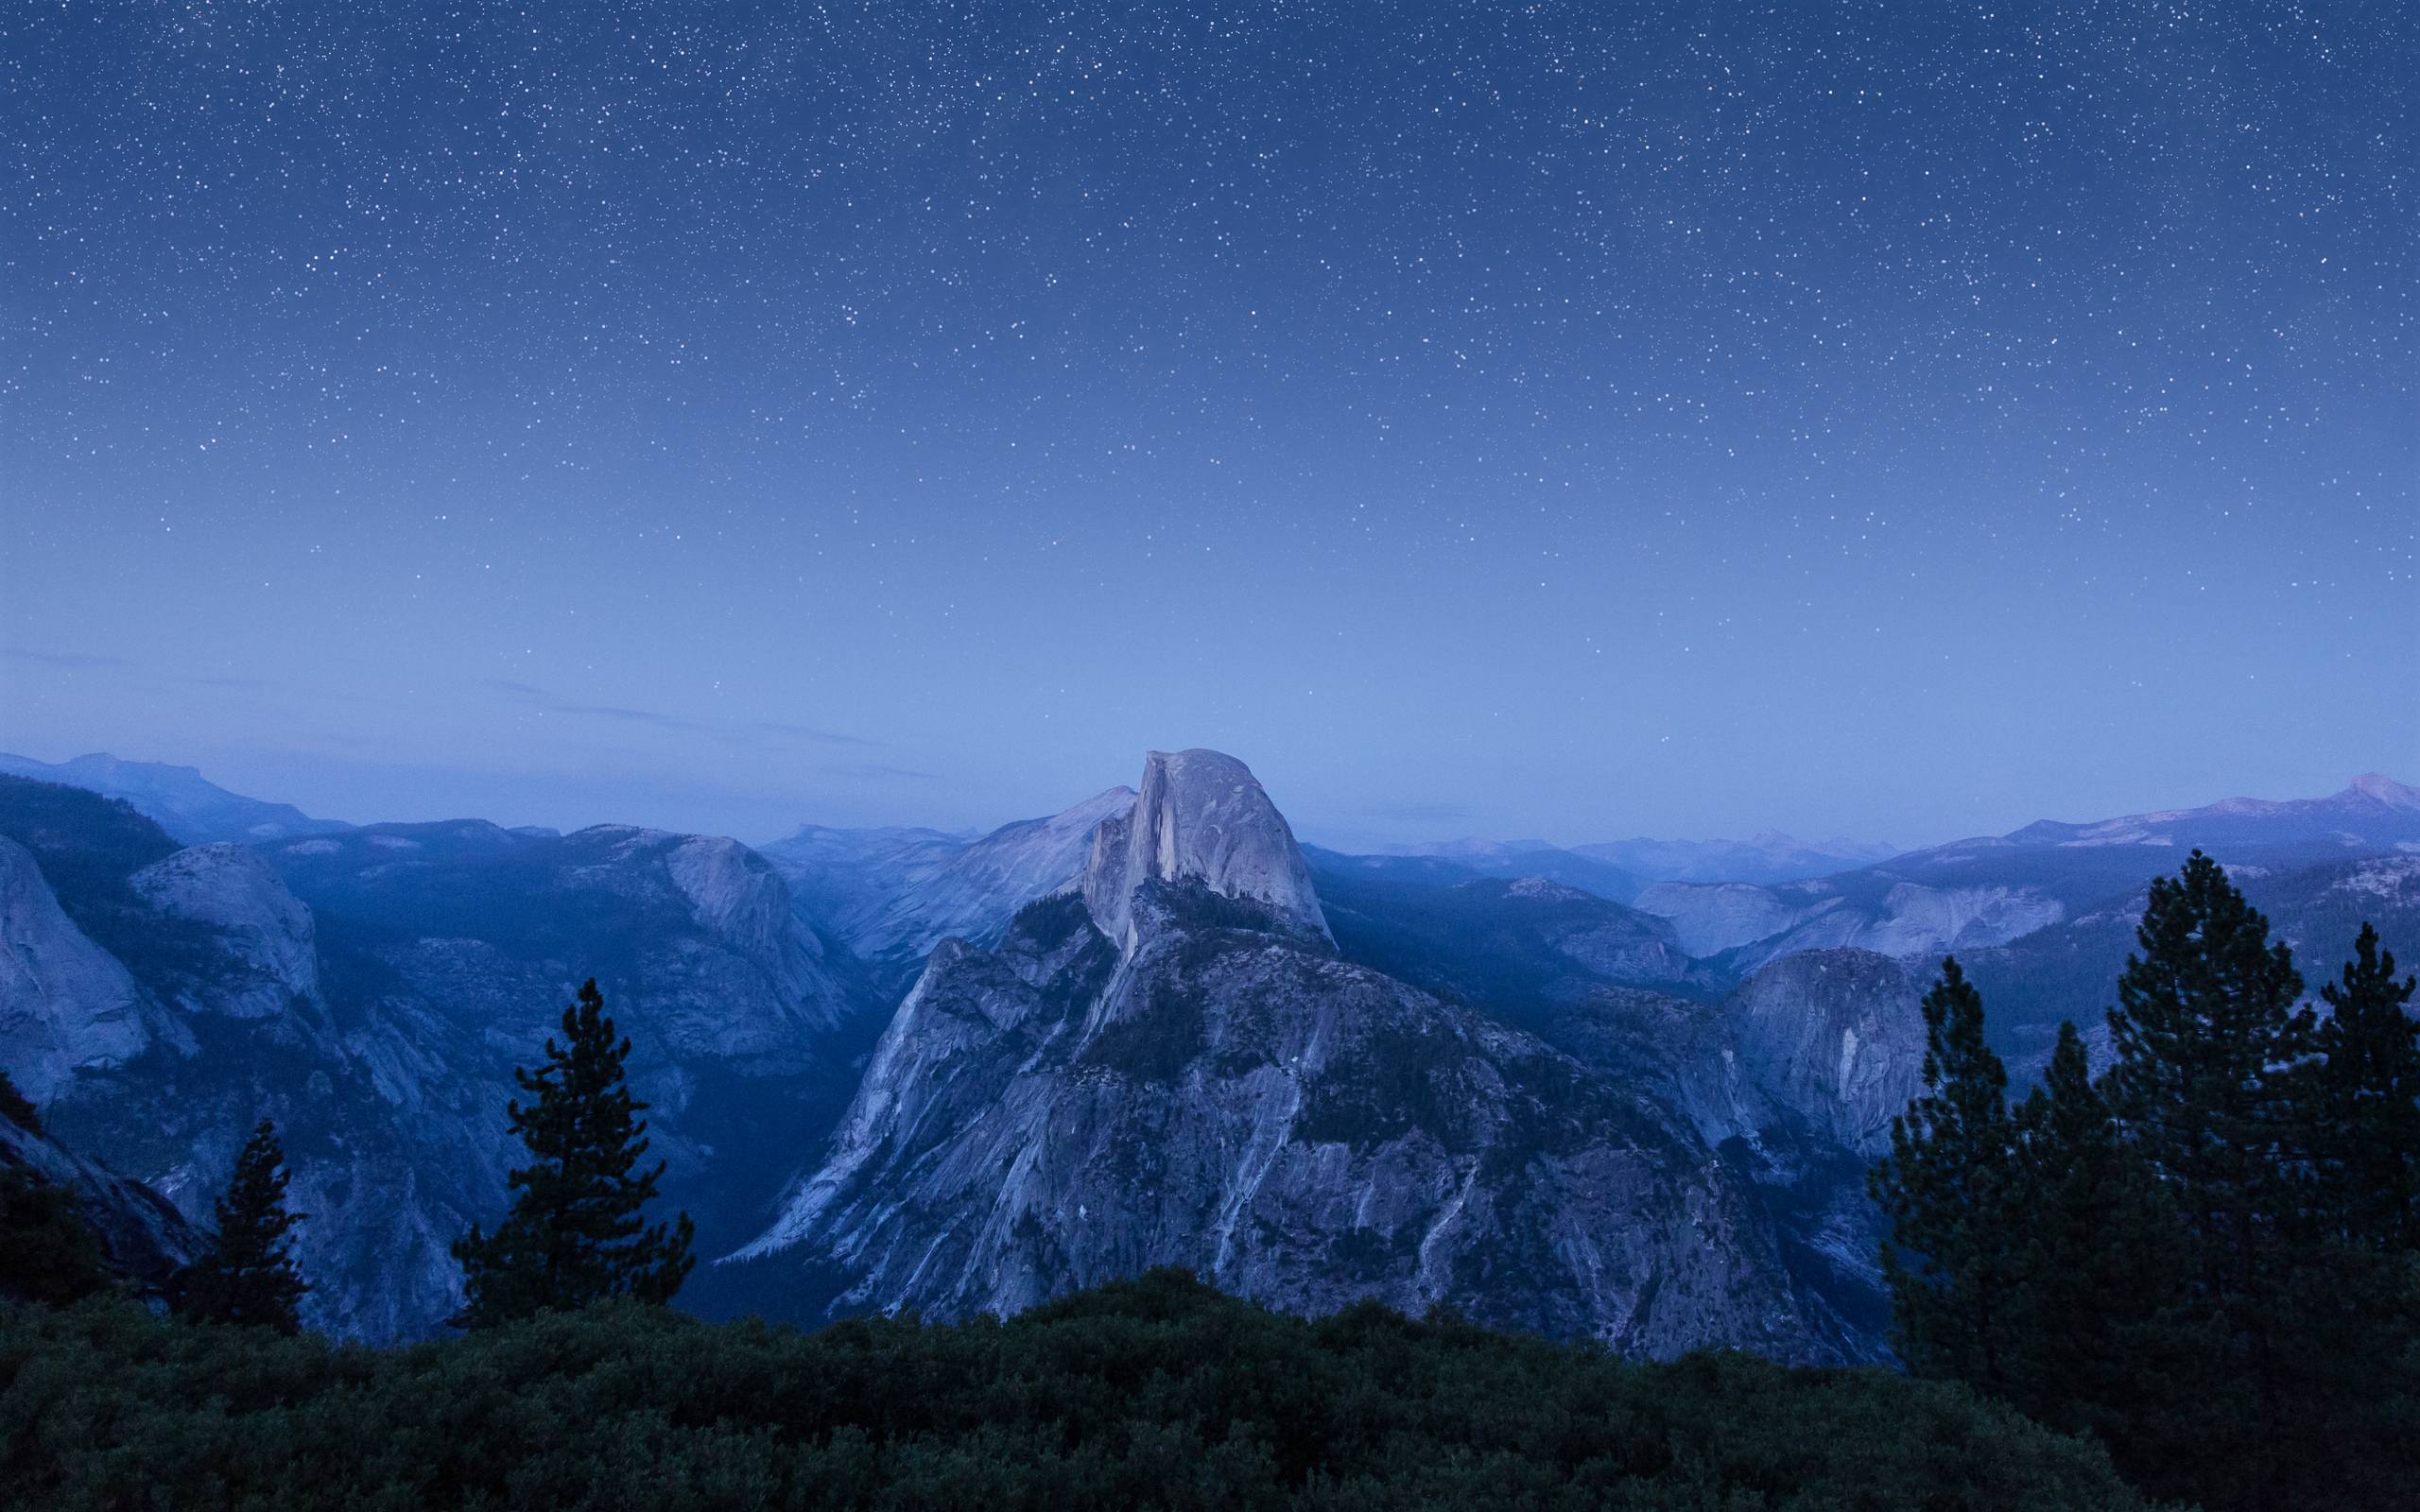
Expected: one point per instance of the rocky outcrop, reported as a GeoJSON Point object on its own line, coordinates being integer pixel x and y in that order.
{"type": "Point", "coordinates": [264, 941]}
{"type": "Point", "coordinates": [1711, 918]}
{"type": "Point", "coordinates": [1198, 815]}
{"type": "Point", "coordinates": [1228, 1096]}
{"type": "Point", "coordinates": [1835, 1036]}
{"type": "Point", "coordinates": [66, 1005]}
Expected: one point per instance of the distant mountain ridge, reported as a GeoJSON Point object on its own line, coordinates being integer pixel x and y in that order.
{"type": "Point", "coordinates": [1771, 856]}
{"type": "Point", "coordinates": [1989, 891]}
{"type": "Point", "coordinates": [890, 895]}
{"type": "Point", "coordinates": [178, 798]}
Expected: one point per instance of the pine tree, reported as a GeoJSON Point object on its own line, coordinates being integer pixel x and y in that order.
{"type": "Point", "coordinates": [2364, 1103]}
{"type": "Point", "coordinates": [2102, 1336]}
{"type": "Point", "coordinates": [247, 1275]}
{"type": "Point", "coordinates": [2207, 1035]}
{"type": "Point", "coordinates": [1945, 1187]}
{"type": "Point", "coordinates": [575, 1233]}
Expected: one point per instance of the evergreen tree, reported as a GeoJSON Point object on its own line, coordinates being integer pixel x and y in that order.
{"type": "Point", "coordinates": [2207, 1035]}
{"type": "Point", "coordinates": [2102, 1339]}
{"type": "Point", "coordinates": [247, 1275]}
{"type": "Point", "coordinates": [575, 1233]}
{"type": "Point", "coordinates": [2364, 1103]}
{"type": "Point", "coordinates": [1946, 1188]}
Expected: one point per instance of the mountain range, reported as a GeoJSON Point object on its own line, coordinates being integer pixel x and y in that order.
{"type": "Point", "coordinates": [177, 799]}
{"type": "Point", "coordinates": [907, 1069]}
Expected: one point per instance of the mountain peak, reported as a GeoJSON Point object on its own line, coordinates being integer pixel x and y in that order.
{"type": "Point", "coordinates": [1199, 815]}
{"type": "Point", "coordinates": [2379, 787]}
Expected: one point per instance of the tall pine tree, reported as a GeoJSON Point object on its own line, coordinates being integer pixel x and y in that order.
{"type": "Point", "coordinates": [1945, 1187]}
{"type": "Point", "coordinates": [2207, 1035]}
{"type": "Point", "coordinates": [2102, 1336]}
{"type": "Point", "coordinates": [247, 1275]}
{"type": "Point", "coordinates": [575, 1233]}
{"type": "Point", "coordinates": [2364, 1103]}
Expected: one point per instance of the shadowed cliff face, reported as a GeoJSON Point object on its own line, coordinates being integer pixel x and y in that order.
{"type": "Point", "coordinates": [1209, 1086]}
{"type": "Point", "coordinates": [143, 1238]}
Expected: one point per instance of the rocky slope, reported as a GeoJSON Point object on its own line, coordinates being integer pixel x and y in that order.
{"type": "Point", "coordinates": [1176, 1068]}
{"type": "Point", "coordinates": [144, 1239]}
{"type": "Point", "coordinates": [1836, 1038]}
{"type": "Point", "coordinates": [370, 991]}
{"type": "Point", "coordinates": [66, 1005]}
{"type": "Point", "coordinates": [1513, 945]}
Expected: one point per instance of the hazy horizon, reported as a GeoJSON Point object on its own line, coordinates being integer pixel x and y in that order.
{"type": "Point", "coordinates": [1414, 826]}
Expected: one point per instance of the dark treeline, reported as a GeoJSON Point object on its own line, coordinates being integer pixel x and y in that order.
{"type": "Point", "coordinates": [2208, 1257]}
{"type": "Point", "coordinates": [1156, 1393]}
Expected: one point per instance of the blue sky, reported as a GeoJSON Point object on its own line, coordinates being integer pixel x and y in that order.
{"type": "Point", "coordinates": [1569, 420]}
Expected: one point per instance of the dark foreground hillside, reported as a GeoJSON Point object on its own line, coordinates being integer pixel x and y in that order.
{"type": "Point", "coordinates": [1154, 1393]}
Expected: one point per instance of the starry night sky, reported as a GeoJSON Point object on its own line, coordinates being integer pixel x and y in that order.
{"type": "Point", "coordinates": [1582, 419]}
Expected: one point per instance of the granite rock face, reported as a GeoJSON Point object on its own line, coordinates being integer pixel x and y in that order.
{"type": "Point", "coordinates": [143, 1237]}
{"type": "Point", "coordinates": [1227, 1096]}
{"type": "Point", "coordinates": [66, 1005]}
{"type": "Point", "coordinates": [1175, 1067]}
{"type": "Point", "coordinates": [1755, 925]}
{"type": "Point", "coordinates": [1198, 815]}
{"type": "Point", "coordinates": [1837, 1038]}
{"type": "Point", "coordinates": [265, 941]}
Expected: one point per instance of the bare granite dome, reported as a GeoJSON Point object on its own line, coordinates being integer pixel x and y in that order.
{"type": "Point", "coordinates": [1200, 815]}
{"type": "Point", "coordinates": [267, 943]}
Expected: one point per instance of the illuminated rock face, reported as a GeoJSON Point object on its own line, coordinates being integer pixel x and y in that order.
{"type": "Point", "coordinates": [1201, 816]}
{"type": "Point", "coordinates": [1176, 1068]}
